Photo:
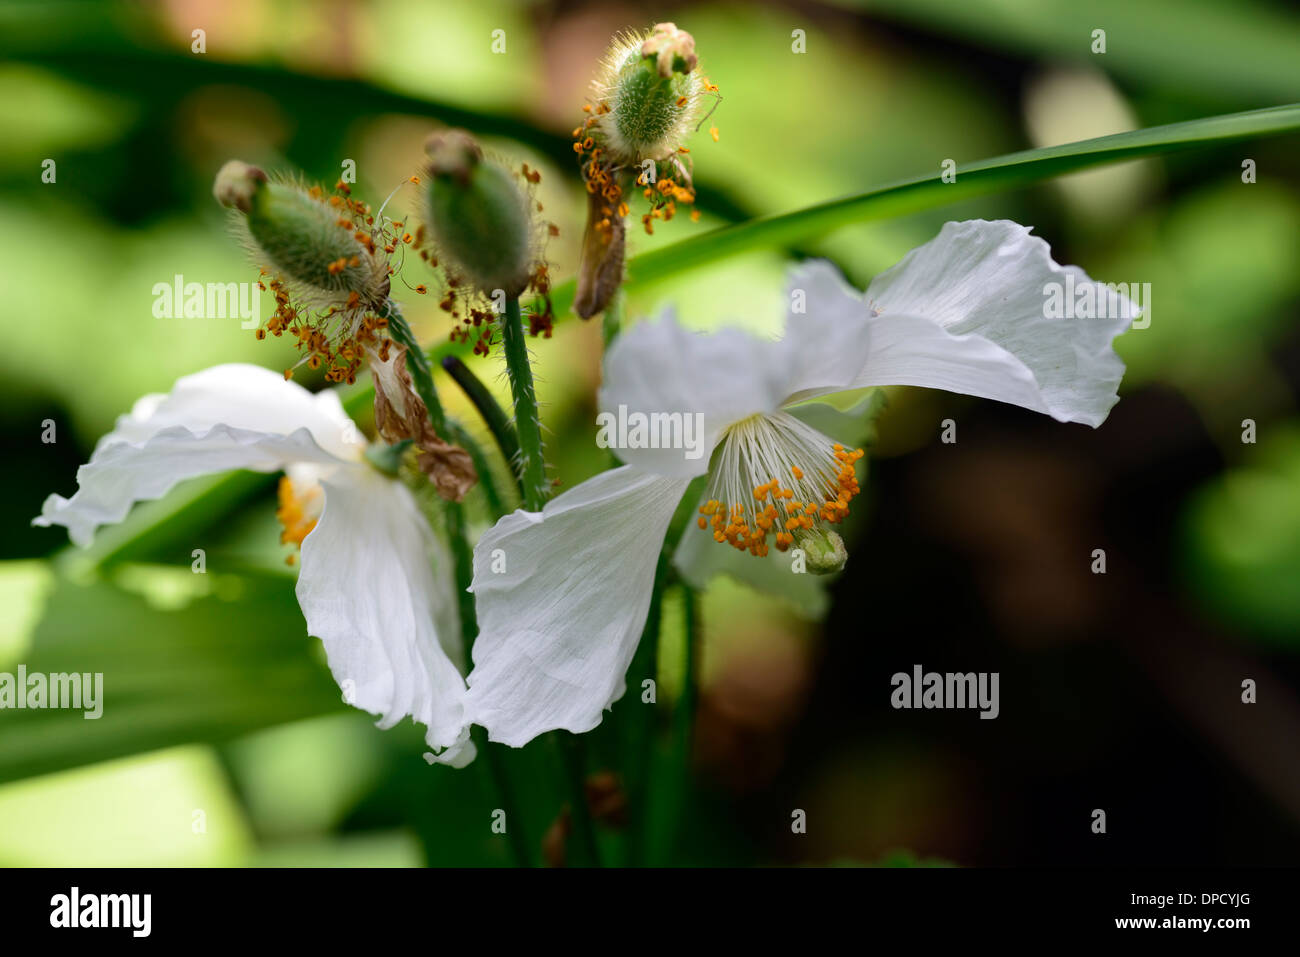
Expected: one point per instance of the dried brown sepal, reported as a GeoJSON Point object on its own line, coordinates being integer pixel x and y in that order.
{"type": "Point", "coordinates": [601, 271]}
{"type": "Point", "coordinates": [401, 414]}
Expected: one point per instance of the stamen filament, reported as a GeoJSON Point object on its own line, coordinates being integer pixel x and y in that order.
{"type": "Point", "coordinates": [775, 476]}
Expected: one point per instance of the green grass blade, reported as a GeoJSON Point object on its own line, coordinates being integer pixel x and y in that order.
{"type": "Point", "coordinates": [973, 179]}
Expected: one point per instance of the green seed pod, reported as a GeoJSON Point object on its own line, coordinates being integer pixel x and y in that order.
{"type": "Point", "coordinates": [479, 215]}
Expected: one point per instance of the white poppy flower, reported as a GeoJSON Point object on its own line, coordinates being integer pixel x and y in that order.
{"type": "Point", "coordinates": [562, 595]}
{"type": "Point", "coordinates": [373, 585]}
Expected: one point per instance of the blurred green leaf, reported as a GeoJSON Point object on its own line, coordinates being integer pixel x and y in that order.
{"type": "Point", "coordinates": [1243, 50]}
{"type": "Point", "coordinates": [184, 658]}
{"type": "Point", "coordinates": [171, 808]}
{"type": "Point", "coordinates": [1242, 533]}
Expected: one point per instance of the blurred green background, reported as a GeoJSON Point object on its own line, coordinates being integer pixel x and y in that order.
{"type": "Point", "coordinates": [223, 740]}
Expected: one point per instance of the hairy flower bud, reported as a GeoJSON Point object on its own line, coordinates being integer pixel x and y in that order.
{"type": "Point", "coordinates": [651, 95]}
{"type": "Point", "coordinates": [326, 256]}
{"type": "Point", "coordinates": [646, 100]}
{"type": "Point", "coordinates": [479, 215]}
{"type": "Point", "coordinates": [299, 235]}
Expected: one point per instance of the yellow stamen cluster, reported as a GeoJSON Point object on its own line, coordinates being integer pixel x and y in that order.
{"type": "Point", "coordinates": [776, 511]}
{"type": "Point", "coordinates": [597, 173]}
{"type": "Point", "coordinates": [664, 197]}
{"type": "Point", "coordinates": [600, 177]}
{"type": "Point", "coordinates": [298, 513]}
{"type": "Point", "coordinates": [323, 339]}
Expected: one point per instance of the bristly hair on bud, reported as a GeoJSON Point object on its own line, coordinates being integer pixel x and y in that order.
{"type": "Point", "coordinates": [326, 256]}
{"type": "Point", "coordinates": [647, 98]}
{"type": "Point", "coordinates": [482, 229]}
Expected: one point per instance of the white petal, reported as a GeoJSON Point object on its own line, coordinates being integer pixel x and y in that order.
{"type": "Point", "coordinates": [658, 368]}
{"type": "Point", "coordinates": [368, 586]}
{"type": "Point", "coordinates": [854, 426]}
{"type": "Point", "coordinates": [247, 397]}
{"type": "Point", "coordinates": [557, 627]}
{"type": "Point", "coordinates": [226, 417]}
{"type": "Point", "coordinates": [700, 559]}
{"type": "Point", "coordinates": [120, 474]}
{"type": "Point", "coordinates": [967, 312]}
{"type": "Point", "coordinates": [825, 345]}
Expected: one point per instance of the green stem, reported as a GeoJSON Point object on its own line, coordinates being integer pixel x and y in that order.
{"type": "Point", "coordinates": [532, 469]}
{"type": "Point", "coordinates": [505, 795]}
{"type": "Point", "coordinates": [494, 416]}
{"type": "Point", "coordinates": [573, 756]}
{"type": "Point", "coordinates": [463, 560]}
{"type": "Point", "coordinates": [641, 721]}
{"type": "Point", "coordinates": [684, 716]}
{"type": "Point", "coordinates": [463, 564]}
{"type": "Point", "coordinates": [495, 502]}
{"type": "Point", "coordinates": [532, 463]}
{"type": "Point", "coordinates": [612, 322]}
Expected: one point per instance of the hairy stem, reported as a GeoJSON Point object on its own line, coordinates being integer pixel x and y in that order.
{"type": "Point", "coordinates": [532, 463]}
{"type": "Point", "coordinates": [532, 471]}
{"type": "Point", "coordinates": [494, 416]}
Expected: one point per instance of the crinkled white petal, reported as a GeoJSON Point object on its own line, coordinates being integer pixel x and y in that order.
{"type": "Point", "coordinates": [227, 417]}
{"type": "Point", "coordinates": [967, 312]}
{"type": "Point", "coordinates": [247, 397]}
{"type": "Point", "coordinates": [659, 368]}
{"type": "Point", "coordinates": [368, 588]}
{"type": "Point", "coordinates": [119, 474]}
{"type": "Point", "coordinates": [558, 627]}
{"type": "Point", "coordinates": [825, 345]}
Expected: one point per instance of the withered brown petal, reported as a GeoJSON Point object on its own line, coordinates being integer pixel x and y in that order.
{"type": "Point", "coordinates": [601, 270]}
{"type": "Point", "coordinates": [401, 414]}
